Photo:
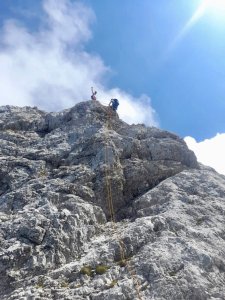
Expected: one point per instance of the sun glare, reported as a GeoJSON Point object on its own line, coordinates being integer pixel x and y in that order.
{"type": "Point", "coordinates": [213, 5]}
{"type": "Point", "coordinates": [212, 9]}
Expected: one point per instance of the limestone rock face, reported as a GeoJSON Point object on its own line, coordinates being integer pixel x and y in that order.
{"type": "Point", "coordinates": [94, 208]}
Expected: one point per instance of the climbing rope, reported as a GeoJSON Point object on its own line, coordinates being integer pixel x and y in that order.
{"type": "Point", "coordinates": [131, 270]}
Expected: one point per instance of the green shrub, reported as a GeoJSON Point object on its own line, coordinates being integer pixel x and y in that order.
{"type": "Point", "coordinates": [101, 269]}
{"type": "Point", "coordinates": [87, 270]}
{"type": "Point", "coordinates": [113, 283]}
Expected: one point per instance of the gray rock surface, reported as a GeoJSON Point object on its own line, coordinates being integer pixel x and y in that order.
{"type": "Point", "coordinates": [60, 174]}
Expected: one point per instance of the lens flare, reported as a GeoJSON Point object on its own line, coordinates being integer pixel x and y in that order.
{"type": "Point", "coordinates": [215, 7]}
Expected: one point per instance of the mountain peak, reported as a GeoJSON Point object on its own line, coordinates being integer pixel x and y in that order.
{"type": "Point", "coordinates": [85, 198]}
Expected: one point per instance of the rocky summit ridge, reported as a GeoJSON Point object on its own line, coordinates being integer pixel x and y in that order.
{"type": "Point", "coordinates": [93, 208]}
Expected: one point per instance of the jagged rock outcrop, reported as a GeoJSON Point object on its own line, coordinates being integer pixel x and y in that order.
{"type": "Point", "coordinates": [60, 173]}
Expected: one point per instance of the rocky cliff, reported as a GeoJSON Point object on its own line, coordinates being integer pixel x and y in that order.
{"type": "Point", "coordinates": [93, 208]}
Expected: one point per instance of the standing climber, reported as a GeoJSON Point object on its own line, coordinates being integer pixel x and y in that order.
{"type": "Point", "coordinates": [114, 103]}
{"type": "Point", "coordinates": [93, 96]}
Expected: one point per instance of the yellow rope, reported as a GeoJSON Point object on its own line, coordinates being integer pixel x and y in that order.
{"type": "Point", "coordinates": [112, 216]}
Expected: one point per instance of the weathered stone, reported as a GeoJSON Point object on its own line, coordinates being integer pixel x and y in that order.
{"type": "Point", "coordinates": [81, 188]}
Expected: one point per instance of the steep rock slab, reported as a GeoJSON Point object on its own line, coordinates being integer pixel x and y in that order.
{"type": "Point", "coordinates": [175, 250]}
{"type": "Point", "coordinates": [53, 188]}
{"type": "Point", "coordinates": [138, 158]}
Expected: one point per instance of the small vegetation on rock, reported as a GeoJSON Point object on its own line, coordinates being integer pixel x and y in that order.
{"type": "Point", "coordinates": [87, 270]}
{"type": "Point", "coordinates": [64, 284]}
{"type": "Point", "coordinates": [122, 263]}
{"type": "Point", "coordinates": [200, 220]}
{"type": "Point", "coordinates": [40, 282]}
{"type": "Point", "coordinates": [113, 283]}
{"type": "Point", "coordinates": [101, 269]}
{"type": "Point", "coordinates": [43, 172]}
{"type": "Point", "coordinates": [172, 273]}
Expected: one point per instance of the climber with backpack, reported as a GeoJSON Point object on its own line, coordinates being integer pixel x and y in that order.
{"type": "Point", "coordinates": [114, 103]}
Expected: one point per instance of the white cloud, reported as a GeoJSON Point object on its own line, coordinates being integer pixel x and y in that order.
{"type": "Point", "coordinates": [50, 68]}
{"type": "Point", "coordinates": [210, 152]}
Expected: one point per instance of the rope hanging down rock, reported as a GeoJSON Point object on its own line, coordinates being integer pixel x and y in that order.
{"type": "Point", "coordinates": [131, 270]}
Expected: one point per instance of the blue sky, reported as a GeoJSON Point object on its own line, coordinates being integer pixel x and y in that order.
{"type": "Point", "coordinates": [187, 85]}
{"type": "Point", "coordinates": [164, 62]}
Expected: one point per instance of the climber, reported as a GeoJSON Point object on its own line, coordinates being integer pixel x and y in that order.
{"type": "Point", "coordinates": [93, 96]}
{"type": "Point", "coordinates": [114, 103]}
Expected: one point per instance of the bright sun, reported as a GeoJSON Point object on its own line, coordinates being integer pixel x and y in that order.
{"type": "Point", "coordinates": [213, 8]}
{"type": "Point", "coordinates": [215, 5]}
